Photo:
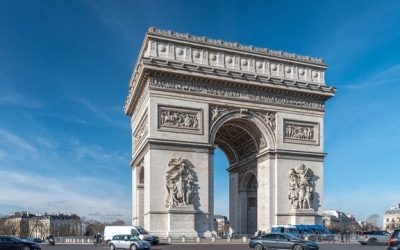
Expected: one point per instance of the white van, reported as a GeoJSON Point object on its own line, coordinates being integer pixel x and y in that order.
{"type": "Point", "coordinates": [111, 231]}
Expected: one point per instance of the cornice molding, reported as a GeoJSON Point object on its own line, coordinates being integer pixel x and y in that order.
{"type": "Point", "coordinates": [234, 45]}
{"type": "Point", "coordinates": [214, 59]}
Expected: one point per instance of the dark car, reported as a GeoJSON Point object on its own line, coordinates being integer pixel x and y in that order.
{"type": "Point", "coordinates": [394, 240]}
{"type": "Point", "coordinates": [281, 240]}
{"type": "Point", "coordinates": [13, 243]}
{"type": "Point", "coordinates": [30, 239]}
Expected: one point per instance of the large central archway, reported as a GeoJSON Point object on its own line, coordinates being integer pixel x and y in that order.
{"type": "Point", "coordinates": [236, 133]}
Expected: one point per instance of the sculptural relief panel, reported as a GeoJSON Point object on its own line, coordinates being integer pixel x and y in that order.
{"type": "Point", "coordinates": [181, 184]}
{"type": "Point", "coordinates": [177, 119]}
{"type": "Point", "coordinates": [301, 187]}
{"type": "Point", "coordinates": [141, 132]}
{"type": "Point", "coordinates": [301, 132]}
{"type": "Point", "coordinates": [268, 117]}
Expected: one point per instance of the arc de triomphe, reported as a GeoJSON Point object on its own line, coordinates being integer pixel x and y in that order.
{"type": "Point", "coordinates": [263, 108]}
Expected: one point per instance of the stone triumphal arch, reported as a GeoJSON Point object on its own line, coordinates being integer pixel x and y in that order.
{"type": "Point", "coordinates": [263, 108]}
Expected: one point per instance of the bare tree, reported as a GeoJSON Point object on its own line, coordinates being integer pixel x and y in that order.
{"type": "Point", "coordinates": [10, 228]}
{"type": "Point", "coordinates": [118, 222]}
{"type": "Point", "coordinates": [371, 223]}
{"type": "Point", "coordinates": [93, 227]}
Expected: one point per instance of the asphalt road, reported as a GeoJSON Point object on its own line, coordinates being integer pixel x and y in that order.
{"type": "Point", "coordinates": [211, 247]}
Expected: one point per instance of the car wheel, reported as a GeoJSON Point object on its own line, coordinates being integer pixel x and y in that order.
{"type": "Point", "coordinates": [372, 242]}
{"type": "Point", "coordinates": [25, 248]}
{"type": "Point", "coordinates": [112, 247]}
{"type": "Point", "coordinates": [133, 247]}
{"type": "Point", "coordinates": [298, 247]}
{"type": "Point", "coordinates": [258, 247]}
{"type": "Point", "coordinates": [363, 243]}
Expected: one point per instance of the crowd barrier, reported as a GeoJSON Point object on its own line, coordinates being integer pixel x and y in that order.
{"type": "Point", "coordinates": [237, 239]}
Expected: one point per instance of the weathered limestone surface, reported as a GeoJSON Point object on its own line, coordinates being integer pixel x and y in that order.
{"type": "Point", "coordinates": [263, 108]}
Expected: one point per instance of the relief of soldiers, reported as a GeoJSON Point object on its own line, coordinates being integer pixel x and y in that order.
{"type": "Point", "coordinates": [301, 187]}
{"type": "Point", "coordinates": [299, 132]}
{"type": "Point", "coordinates": [180, 183]}
{"type": "Point", "coordinates": [177, 119]}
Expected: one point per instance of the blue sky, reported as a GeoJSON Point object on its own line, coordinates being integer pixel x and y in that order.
{"type": "Point", "coordinates": [64, 71]}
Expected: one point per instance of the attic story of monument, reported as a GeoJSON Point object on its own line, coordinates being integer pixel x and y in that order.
{"type": "Point", "coordinates": [264, 108]}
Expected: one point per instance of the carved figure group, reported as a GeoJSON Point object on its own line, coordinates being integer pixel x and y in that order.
{"type": "Point", "coordinates": [301, 187]}
{"type": "Point", "coordinates": [209, 89]}
{"type": "Point", "coordinates": [216, 112]}
{"type": "Point", "coordinates": [299, 132]}
{"type": "Point", "coordinates": [180, 183]}
{"type": "Point", "coordinates": [178, 119]}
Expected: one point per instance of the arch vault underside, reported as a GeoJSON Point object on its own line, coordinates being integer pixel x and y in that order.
{"type": "Point", "coordinates": [264, 109]}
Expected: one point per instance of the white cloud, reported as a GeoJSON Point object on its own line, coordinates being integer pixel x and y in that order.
{"type": "Point", "coordinates": [14, 98]}
{"type": "Point", "coordinates": [16, 140]}
{"type": "Point", "coordinates": [387, 76]}
{"type": "Point", "coordinates": [2, 154]}
{"type": "Point", "coordinates": [110, 114]}
{"type": "Point", "coordinates": [40, 194]}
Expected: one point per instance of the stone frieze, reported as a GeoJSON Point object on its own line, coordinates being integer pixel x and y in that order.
{"type": "Point", "coordinates": [233, 93]}
{"type": "Point", "coordinates": [140, 133]}
{"type": "Point", "coordinates": [301, 132]}
{"type": "Point", "coordinates": [180, 119]}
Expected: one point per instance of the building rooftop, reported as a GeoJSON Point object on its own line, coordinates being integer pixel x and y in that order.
{"type": "Point", "coordinates": [393, 210]}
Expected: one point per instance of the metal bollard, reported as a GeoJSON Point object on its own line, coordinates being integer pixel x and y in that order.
{"type": "Point", "coordinates": [213, 239]}
{"type": "Point", "coordinates": [244, 239]}
{"type": "Point", "coordinates": [169, 239]}
{"type": "Point", "coordinates": [183, 239]}
{"type": "Point", "coordinates": [228, 239]}
{"type": "Point", "coordinates": [198, 239]}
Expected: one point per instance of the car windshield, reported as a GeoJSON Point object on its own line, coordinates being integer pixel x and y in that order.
{"type": "Point", "coordinates": [292, 230]}
{"type": "Point", "coordinates": [133, 238]}
{"type": "Point", "coordinates": [141, 230]}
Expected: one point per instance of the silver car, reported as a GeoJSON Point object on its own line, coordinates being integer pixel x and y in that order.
{"type": "Point", "coordinates": [128, 241]}
{"type": "Point", "coordinates": [374, 237]}
{"type": "Point", "coordinates": [281, 241]}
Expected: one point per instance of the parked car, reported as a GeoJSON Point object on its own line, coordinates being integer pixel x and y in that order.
{"type": "Point", "coordinates": [315, 232]}
{"type": "Point", "coordinates": [394, 240]}
{"type": "Point", "coordinates": [374, 237]}
{"type": "Point", "coordinates": [128, 241]}
{"type": "Point", "coordinates": [111, 231]}
{"type": "Point", "coordinates": [13, 243]}
{"type": "Point", "coordinates": [281, 241]}
{"type": "Point", "coordinates": [289, 229]}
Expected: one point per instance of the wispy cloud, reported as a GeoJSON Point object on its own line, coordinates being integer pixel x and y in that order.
{"type": "Point", "coordinates": [387, 76]}
{"type": "Point", "coordinates": [45, 141]}
{"type": "Point", "coordinates": [97, 153]}
{"type": "Point", "coordinates": [2, 154]}
{"type": "Point", "coordinates": [15, 140]}
{"type": "Point", "coordinates": [13, 98]}
{"type": "Point", "coordinates": [110, 19]}
{"type": "Point", "coordinates": [110, 114]}
{"type": "Point", "coordinates": [94, 108]}
{"type": "Point", "coordinates": [72, 118]}
{"type": "Point", "coordinates": [44, 193]}
{"type": "Point", "coordinates": [44, 171]}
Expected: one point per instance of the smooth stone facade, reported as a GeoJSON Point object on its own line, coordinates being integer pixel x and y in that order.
{"type": "Point", "coordinates": [263, 108]}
